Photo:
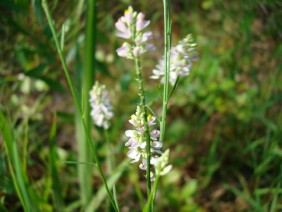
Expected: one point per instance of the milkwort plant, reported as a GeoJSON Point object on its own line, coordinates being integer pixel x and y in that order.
{"type": "Point", "coordinates": [145, 141]}
{"type": "Point", "coordinates": [145, 144]}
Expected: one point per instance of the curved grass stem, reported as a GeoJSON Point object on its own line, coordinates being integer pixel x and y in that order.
{"type": "Point", "coordinates": [87, 131]}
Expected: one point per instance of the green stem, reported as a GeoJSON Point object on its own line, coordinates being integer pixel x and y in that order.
{"type": "Point", "coordinates": [87, 131]}
{"type": "Point", "coordinates": [19, 177]}
{"type": "Point", "coordinates": [146, 125]}
{"type": "Point", "coordinates": [167, 46]}
{"type": "Point", "coordinates": [152, 195]}
{"type": "Point", "coordinates": [110, 161]}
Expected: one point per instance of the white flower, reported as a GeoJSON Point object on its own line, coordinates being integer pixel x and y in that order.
{"type": "Point", "coordinates": [137, 146]}
{"type": "Point", "coordinates": [102, 111]}
{"type": "Point", "coordinates": [137, 139]}
{"type": "Point", "coordinates": [125, 51]}
{"type": "Point", "coordinates": [131, 26]}
{"type": "Point", "coordinates": [161, 164]}
{"type": "Point", "coordinates": [181, 58]}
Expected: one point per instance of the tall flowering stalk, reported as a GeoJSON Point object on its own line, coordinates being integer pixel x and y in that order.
{"type": "Point", "coordinates": [132, 26]}
{"type": "Point", "coordinates": [145, 146]}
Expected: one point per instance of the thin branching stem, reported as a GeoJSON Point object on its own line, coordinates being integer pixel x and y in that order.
{"type": "Point", "coordinates": [87, 131]}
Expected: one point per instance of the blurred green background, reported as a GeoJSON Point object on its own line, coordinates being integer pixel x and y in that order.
{"type": "Point", "coordinates": [224, 121]}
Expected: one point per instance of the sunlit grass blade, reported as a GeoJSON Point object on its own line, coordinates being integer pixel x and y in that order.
{"type": "Point", "coordinates": [78, 107]}
{"type": "Point", "coordinates": [101, 194]}
{"type": "Point", "coordinates": [87, 76]}
{"type": "Point", "coordinates": [20, 180]}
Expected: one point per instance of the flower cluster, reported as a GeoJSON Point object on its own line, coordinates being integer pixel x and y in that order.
{"type": "Point", "coordinates": [161, 165]}
{"type": "Point", "coordinates": [131, 26]}
{"type": "Point", "coordinates": [137, 141]}
{"type": "Point", "coordinates": [102, 111]}
{"type": "Point", "coordinates": [181, 58]}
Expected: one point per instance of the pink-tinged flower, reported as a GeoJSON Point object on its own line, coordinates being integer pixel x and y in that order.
{"type": "Point", "coordinates": [129, 15]}
{"type": "Point", "coordinates": [124, 31]}
{"type": "Point", "coordinates": [101, 108]}
{"type": "Point", "coordinates": [126, 34]}
{"type": "Point", "coordinates": [137, 139]}
{"type": "Point", "coordinates": [147, 36]}
{"type": "Point", "coordinates": [141, 23]}
{"type": "Point", "coordinates": [131, 26]}
{"type": "Point", "coordinates": [135, 155]}
{"type": "Point", "coordinates": [151, 120]}
{"type": "Point", "coordinates": [155, 134]}
{"type": "Point", "coordinates": [143, 164]}
{"type": "Point", "coordinates": [124, 50]}
{"type": "Point", "coordinates": [157, 145]}
{"type": "Point", "coordinates": [138, 50]}
{"type": "Point", "coordinates": [121, 26]}
{"type": "Point", "coordinates": [181, 59]}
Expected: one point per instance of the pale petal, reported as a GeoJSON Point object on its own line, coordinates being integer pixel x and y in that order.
{"type": "Point", "coordinates": [134, 145]}
{"type": "Point", "coordinates": [133, 154]}
{"type": "Point", "coordinates": [130, 133]}
{"type": "Point", "coordinates": [136, 159]}
{"type": "Point", "coordinates": [123, 51]}
{"type": "Point", "coordinates": [125, 34]}
{"type": "Point", "coordinates": [166, 170]}
{"type": "Point", "coordinates": [157, 144]}
{"type": "Point", "coordinates": [129, 142]}
{"type": "Point", "coordinates": [147, 36]}
{"type": "Point", "coordinates": [143, 145]}
{"type": "Point", "coordinates": [157, 151]}
{"type": "Point", "coordinates": [121, 26]}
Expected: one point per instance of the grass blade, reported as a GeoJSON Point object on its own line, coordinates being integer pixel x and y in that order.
{"type": "Point", "coordinates": [101, 194]}
{"type": "Point", "coordinates": [78, 107]}
{"type": "Point", "coordinates": [20, 180]}
{"type": "Point", "coordinates": [87, 80]}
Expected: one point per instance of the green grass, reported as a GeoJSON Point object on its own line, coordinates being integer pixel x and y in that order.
{"type": "Point", "coordinates": [20, 180]}
{"type": "Point", "coordinates": [223, 122]}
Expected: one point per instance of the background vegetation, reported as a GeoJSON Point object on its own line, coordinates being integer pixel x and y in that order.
{"type": "Point", "coordinates": [224, 122]}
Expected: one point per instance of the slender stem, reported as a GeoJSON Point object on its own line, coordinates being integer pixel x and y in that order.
{"type": "Point", "coordinates": [166, 94]}
{"type": "Point", "coordinates": [167, 46]}
{"type": "Point", "coordinates": [87, 131]}
{"type": "Point", "coordinates": [144, 111]}
{"type": "Point", "coordinates": [110, 161]}
{"type": "Point", "coordinates": [109, 153]}
{"type": "Point", "coordinates": [152, 195]}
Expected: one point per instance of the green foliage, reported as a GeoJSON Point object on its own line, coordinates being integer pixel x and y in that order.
{"type": "Point", "coordinates": [224, 119]}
